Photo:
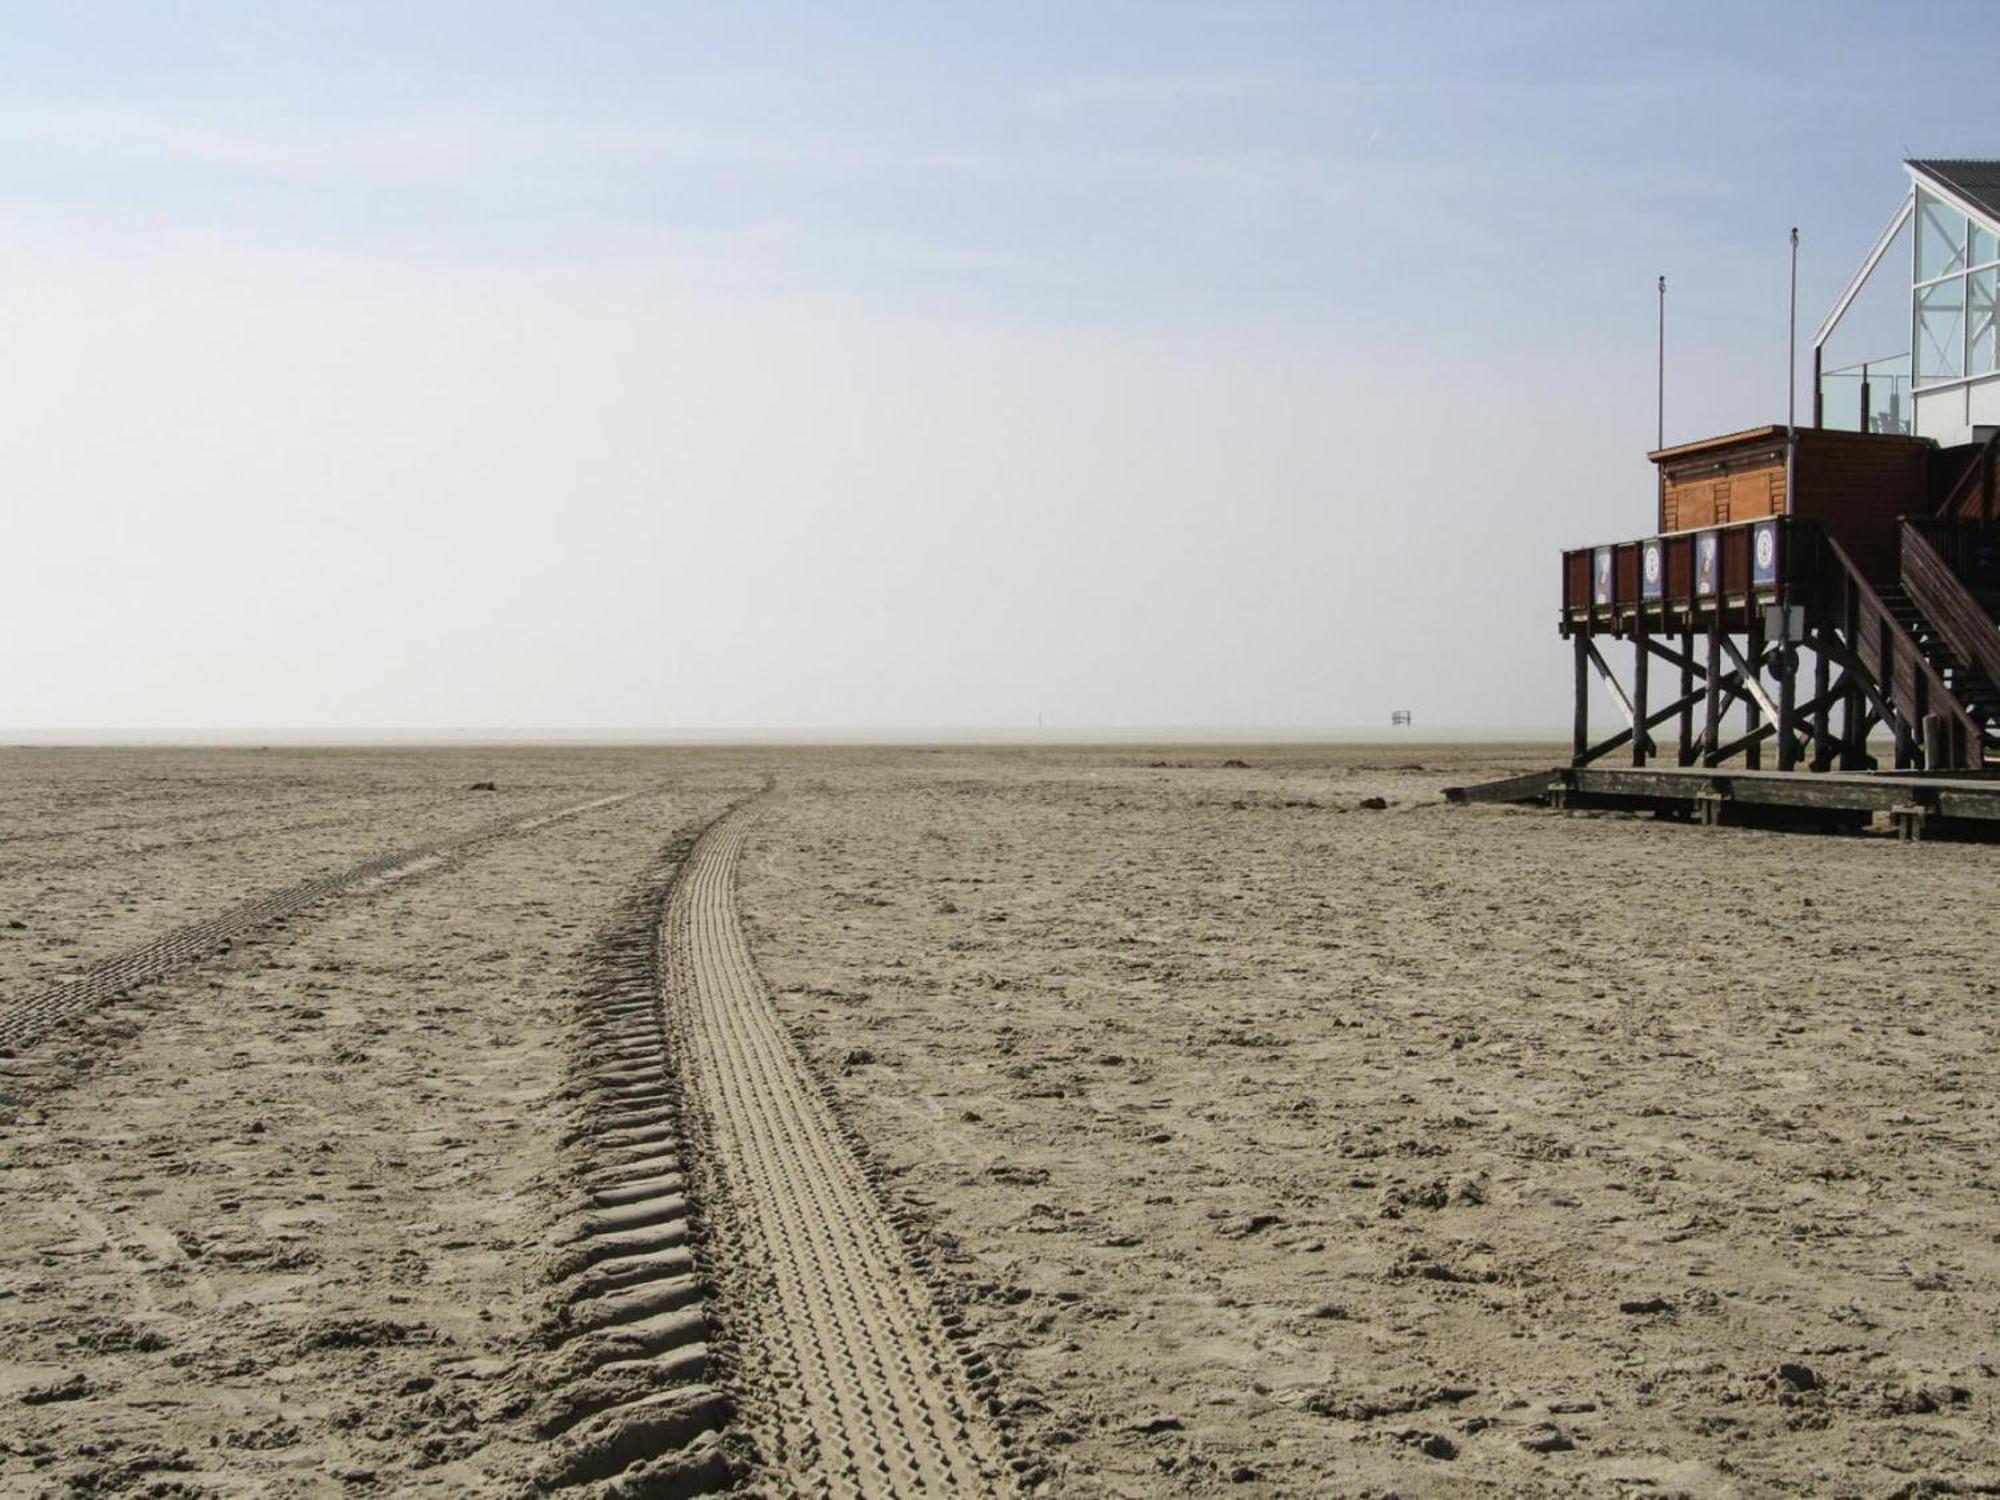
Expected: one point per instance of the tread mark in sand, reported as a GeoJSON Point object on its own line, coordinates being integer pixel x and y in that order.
{"type": "Point", "coordinates": [629, 1393]}
{"type": "Point", "coordinates": [849, 1380]}
{"type": "Point", "coordinates": [44, 1010]}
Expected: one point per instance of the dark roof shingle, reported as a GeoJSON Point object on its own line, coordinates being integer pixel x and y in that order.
{"type": "Point", "coordinates": [1977, 182]}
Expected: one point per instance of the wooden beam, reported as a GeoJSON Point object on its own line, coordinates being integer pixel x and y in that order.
{"type": "Point", "coordinates": [1861, 681]}
{"type": "Point", "coordinates": [1611, 683]}
{"type": "Point", "coordinates": [1822, 746]}
{"type": "Point", "coordinates": [1599, 751]}
{"type": "Point", "coordinates": [1753, 755]}
{"type": "Point", "coordinates": [1684, 747]}
{"type": "Point", "coordinates": [1751, 688]}
{"type": "Point", "coordinates": [1532, 787]}
{"type": "Point", "coordinates": [1853, 707]}
{"type": "Point", "coordinates": [1711, 734]}
{"type": "Point", "coordinates": [1579, 735]}
{"type": "Point", "coordinates": [1787, 665]}
{"type": "Point", "coordinates": [1624, 736]}
{"type": "Point", "coordinates": [1757, 736]}
{"type": "Point", "coordinates": [1683, 659]}
{"type": "Point", "coordinates": [1641, 661]}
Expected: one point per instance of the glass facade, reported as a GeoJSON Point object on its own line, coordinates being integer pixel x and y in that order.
{"type": "Point", "coordinates": [1940, 238]}
{"type": "Point", "coordinates": [1956, 283]}
{"type": "Point", "coordinates": [1982, 332]}
{"type": "Point", "coordinates": [1941, 330]}
{"type": "Point", "coordinates": [1952, 322]}
{"type": "Point", "coordinates": [1982, 247]}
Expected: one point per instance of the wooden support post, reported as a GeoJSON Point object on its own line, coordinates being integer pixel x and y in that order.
{"type": "Point", "coordinates": [1853, 719]}
{"type": "Point", "coordinates": [1822, 754]}
{"type": "Point", "coordinates": [1921, 720]}
{"type": "Point", "coordinates": [1935, 758]}
{"type": "Point", "coordinates": [1753, 713]}
{"type": "Point", "coordinates": [1788, 697]}
{"type": "Point", "coordinates": [1711, 733]}
{"type": "Point", "coordinates": [1885, 655]}
{"type": "Point", "coordinates": [1685, 750]}
{"type": "Point", "coordinates": [1641, 742]}
{"type": "Point", "coordinates": [1580, 728]}
{"type": "Point", "coordinates": [1618, 696]}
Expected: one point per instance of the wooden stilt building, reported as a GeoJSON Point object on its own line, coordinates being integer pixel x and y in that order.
{"type": "Point", "coordinates": [1821, 600]}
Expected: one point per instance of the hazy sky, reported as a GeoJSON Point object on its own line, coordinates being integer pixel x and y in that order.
{"type": "Point", "coordinates": [717, 365]}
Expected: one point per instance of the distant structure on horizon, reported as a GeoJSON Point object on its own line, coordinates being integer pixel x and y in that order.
{"type": "Point", "coordinates": [1807, 586]}
{"type": "Point", "coordinates": [1399, 718]}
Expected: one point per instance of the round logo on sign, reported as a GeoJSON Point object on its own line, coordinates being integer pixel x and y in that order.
{"type": "Point", "coordinates": [1652, 565]}
{"type": "Point", "coordinates": [1767, 544]}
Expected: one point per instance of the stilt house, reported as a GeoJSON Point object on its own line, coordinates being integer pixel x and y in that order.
{"type": "Point", "coordinates": [1813, 597]}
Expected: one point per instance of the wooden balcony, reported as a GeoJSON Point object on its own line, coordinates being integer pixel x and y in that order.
{"type": "Point", "coordinates": [1725, 576]}
{"type": "Point", "coordinates": [1788, 586]}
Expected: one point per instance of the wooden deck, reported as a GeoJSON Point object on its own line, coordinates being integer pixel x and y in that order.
{"type": "Point", "coordinates": [1955, 805]}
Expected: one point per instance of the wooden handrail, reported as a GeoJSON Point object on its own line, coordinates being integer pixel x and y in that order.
{"type": "Point", "coordinates": [1910, 684]}
{"type": "Point", "coordinates": [1936, 589]}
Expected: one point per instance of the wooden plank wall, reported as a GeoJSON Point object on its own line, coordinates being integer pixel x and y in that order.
{"type": "Point", "coordinates": [1696, 495]}
{"type": "Point", "coordinates": [1857, 486]}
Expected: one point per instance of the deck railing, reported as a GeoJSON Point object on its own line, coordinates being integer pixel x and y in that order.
{"type": "Point", "coordinates": [1779, 578]}
{"type": "Point", "coordinates": [1739, 565]}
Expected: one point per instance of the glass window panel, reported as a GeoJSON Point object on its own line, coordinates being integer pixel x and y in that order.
{"type": "Point", "coordinates": [1982, 355]}
{"type": "Point", "coordinates": [1941, 331]}
{"type": "Point", "coordinates": [1889, 395]}
{"type": "Point", "coordinates": [1840, 400]}
{"type": "Point", "coordinates": [1940, 238]}
{"type": "Point", "coordinates": [1985, 245]}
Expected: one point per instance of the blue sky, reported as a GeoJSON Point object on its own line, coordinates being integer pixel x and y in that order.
{"type": "Point", "coordinates": [892, 253]}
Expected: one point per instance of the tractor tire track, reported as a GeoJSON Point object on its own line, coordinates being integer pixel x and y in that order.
{"type": "Point", "coordinates": [846, 1370]}
{"type": "Point", "coordinates": [42, 1011]}
{"type": "Point", "coordinates": [629, 1392]}
{"type": "Point", "coordinates": [18, 863]}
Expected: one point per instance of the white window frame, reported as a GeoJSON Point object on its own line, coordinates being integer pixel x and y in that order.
{"type": "Point", "coordinates": [1971, 215]}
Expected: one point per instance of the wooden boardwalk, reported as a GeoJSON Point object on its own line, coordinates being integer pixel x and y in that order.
{"type": "Point", "coordinates": [1955, 804]}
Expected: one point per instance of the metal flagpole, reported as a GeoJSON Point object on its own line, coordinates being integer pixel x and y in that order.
{"type": "Point", "coordinates": [1792, 374]}
{"type": "Point", "coordinates": [1660, 424]}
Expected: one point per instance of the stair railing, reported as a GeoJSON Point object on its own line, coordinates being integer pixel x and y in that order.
{"type": "Point", "coordinates": [1911, 687]}
{"type": "Point", "coordinates": [1935, 587]}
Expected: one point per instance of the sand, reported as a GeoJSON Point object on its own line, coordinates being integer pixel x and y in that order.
{"type": "Point", "coordinates": [1237, 1133]}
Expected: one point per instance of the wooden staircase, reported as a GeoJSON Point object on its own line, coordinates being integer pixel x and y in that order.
{"type": "Point", "coordinates": [1977, 693]}
{"type": "Point", "coordinates": [1945, 598]}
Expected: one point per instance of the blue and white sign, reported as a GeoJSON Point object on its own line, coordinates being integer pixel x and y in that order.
{"type": "Point", "coordinates": [1600, 576]}
{"type": "Point", "coordinates": [1652, 569]}
{"type": "Point", "coordinates": [1707, 564]}
{"type": "Point", "coordinates": [1764, 553]}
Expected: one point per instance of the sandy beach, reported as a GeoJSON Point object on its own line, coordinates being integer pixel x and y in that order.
{"type": "Point", "coordinates": [1203, 1118]}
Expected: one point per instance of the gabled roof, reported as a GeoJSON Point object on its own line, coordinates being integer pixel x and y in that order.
{"type": "Point", "coordinates": [1976, 184]}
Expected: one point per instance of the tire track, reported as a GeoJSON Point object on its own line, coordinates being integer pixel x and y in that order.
{"type": "Point", "coordinates": [33, 1017]}
{"type": "Point", "coordinates": [628, 1393]}
{"type": "Point", "coordinates": [13, 839]}
{"type": "Point", "coordinates": [849, 1378]}
{"type": "Point", "coordinates": [45, 864]}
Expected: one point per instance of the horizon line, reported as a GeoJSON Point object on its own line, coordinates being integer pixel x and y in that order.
{"type": "Point", "coordinates": [166, 736]}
